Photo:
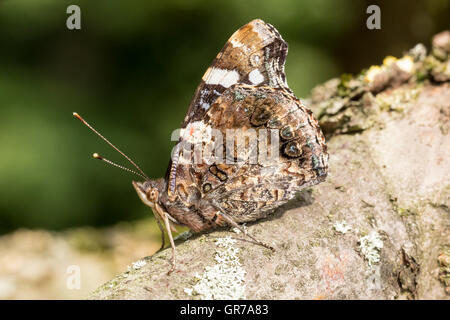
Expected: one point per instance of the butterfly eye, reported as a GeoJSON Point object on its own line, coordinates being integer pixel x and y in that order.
{"type": "Point", "coordinates": [152, 195]}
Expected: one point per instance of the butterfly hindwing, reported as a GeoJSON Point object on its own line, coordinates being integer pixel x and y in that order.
{"type": "Point", "coordinates": [259, 184]}
{"type": "Point", "coordinates": [248, 183]}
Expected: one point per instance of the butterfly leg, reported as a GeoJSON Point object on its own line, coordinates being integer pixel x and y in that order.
{"type": "Point", "coordinates": [163, 242]}
{"type": "Point", "coordinates": [172, 243]}
{"type": "Point", "coordinates": [234, 224]}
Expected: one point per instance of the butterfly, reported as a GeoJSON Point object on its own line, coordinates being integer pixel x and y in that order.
{"type": "Point", "coordinates": [244, 94]}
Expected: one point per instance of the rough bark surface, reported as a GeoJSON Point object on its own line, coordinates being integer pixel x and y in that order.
{"type": "Point", "coordinates": [378, 228]}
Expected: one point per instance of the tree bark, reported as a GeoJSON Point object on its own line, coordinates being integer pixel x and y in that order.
{"type": "Point", "coordinates": [378, 228]}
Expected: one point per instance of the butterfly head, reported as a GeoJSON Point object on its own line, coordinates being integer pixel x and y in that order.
{"type": "Point", "coordinates": [148, 191]}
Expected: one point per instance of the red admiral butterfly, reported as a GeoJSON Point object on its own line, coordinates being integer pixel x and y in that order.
{"type": "Point", "coordinates": [243, 94]}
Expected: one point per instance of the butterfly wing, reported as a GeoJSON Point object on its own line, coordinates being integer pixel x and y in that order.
{"type": "Point", "coordinates": [285, 152]}
{"type": "Point", "coordinates": [244, 90]}
{"type": "Point", "coordinates": [255, 55]}
{"type": "Point", "coordinates": [282, 151]}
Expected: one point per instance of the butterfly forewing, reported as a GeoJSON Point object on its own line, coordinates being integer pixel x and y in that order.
{"type": "Point", "coordinates": [255, 55]}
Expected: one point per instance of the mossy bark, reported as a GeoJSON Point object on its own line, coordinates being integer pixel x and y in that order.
{"type": "Point", "coordinates": [378, 228]}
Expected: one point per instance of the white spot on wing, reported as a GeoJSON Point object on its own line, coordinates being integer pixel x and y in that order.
{"type": "Point", "coordinates": [255, 77]}
{"type": "Point", "coordinates": [196, 132]}
{"type": "Point", "coordinates": [262, 30]}
{"type": "Point", "coordinates": [225, 78]}
{"type": "Point", "coordinates": [236, 43]}
{"type": "Point", "coordinates": [255, 60]}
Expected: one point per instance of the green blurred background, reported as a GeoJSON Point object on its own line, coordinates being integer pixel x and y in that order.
{"type": "Point", "coordinates": [132, 69]}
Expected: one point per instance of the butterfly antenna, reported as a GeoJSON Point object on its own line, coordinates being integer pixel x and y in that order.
{"type": "Point", "coordinates": [142, 174]}
{"type": "Point", "coordinates": [99, 157]}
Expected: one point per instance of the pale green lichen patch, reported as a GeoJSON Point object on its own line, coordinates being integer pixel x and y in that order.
{"type": "Point", "coordinates": [351, 104]}
{"type": "Point", "coordinates": [342, 227]}
{"type": "Point", "coordinates": [398, 100]}
{"type": "Point", "coordinates": [237, 231]}
{"type": "Point", "coordinates": [239, 95]}
{"type": "Point", "coordinates": [225, 279]}
{"type": "Point", "coordinates": [184, 235]}
{"type": "Point", "coordinates": [138, 264]}
{"type": "Point", "coordinates": [370, 246]}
